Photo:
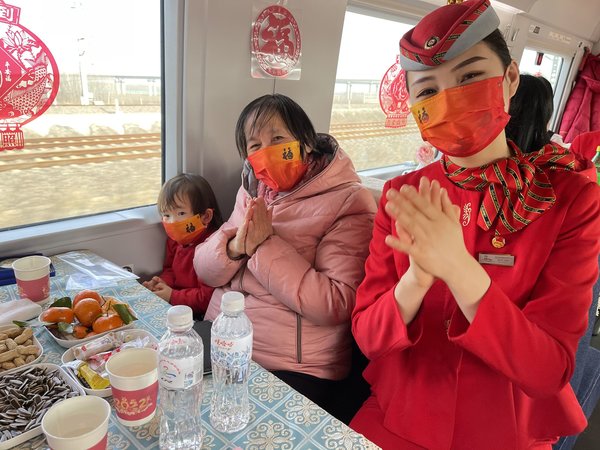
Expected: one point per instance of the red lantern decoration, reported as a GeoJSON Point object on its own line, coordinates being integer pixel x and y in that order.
{"type": "Point", "coordinates": [28, 77]}
{"type": "Point", "coordinates": [393, 96]}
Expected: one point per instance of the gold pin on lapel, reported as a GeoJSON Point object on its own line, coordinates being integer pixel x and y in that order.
{"type": "Point", "coordinates": [498, 241]}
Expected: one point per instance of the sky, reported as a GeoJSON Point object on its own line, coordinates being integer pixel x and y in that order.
{"type": "Point", "coordinates": [369, 46]}
{"type": "Point", "coordinates": [116, 36]}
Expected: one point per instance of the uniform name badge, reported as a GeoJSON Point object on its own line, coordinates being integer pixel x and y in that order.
{"type": "Point", "coordinates": [496, 259]}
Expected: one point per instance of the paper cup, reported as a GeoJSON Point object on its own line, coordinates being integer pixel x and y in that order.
{"type": "Point", "coordinates": [33, 277]}
{"type": "Point", "coordinates": [77, 423]}
{"type": "Point", "coordinates": [133, 376]}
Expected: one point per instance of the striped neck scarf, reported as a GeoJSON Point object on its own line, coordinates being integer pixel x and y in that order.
{"type": "Point", "coordinates": [518, 189]}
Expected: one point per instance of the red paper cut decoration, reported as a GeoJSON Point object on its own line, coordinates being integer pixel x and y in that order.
{"type": "Point", "coordinates": [28, 77]}
{"type": "Point", "coordinates": [276, 43]}
{"type": "Point", "coordinates": [393, 96]}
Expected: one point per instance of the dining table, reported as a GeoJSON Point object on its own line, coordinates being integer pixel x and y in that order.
{"type": "Point", "coordinates": [280, 417]}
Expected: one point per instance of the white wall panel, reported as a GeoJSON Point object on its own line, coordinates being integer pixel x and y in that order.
{"type": "Point", "coordinates": [218, 82]}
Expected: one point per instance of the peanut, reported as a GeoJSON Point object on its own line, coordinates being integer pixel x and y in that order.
{"type": "Point", "coordinates": [18, 361]}
{"type": "Point", "coordinates": [10, 344]}
{"type": "Point", "coordinates": [27, 350]}
{"type": "Point", "coordinates": [26, 334]}
{"type": "Point", "coordinates": [8, 365]}
{"type": "Point", "coordinates": [9, 355]}
{"type": "Point", "coordinates": [12, 332]}
{"type": "Point", "coordinates": [30, 358]}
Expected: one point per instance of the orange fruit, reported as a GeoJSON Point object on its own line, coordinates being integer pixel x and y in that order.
{"type": "Point", "coordinates": [87, 310]}
{"type": "Point", "coordinates": [105, 323]}
{"type": "Point", "coordinates": [79, 331]}
{"type": "Point", "coordinates": [87, 294]}
{"type": "Point", "coordinates": [58, 314]}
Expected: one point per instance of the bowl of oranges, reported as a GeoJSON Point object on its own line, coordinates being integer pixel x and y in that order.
{"type": "Point", "coordinates": [87, 316]}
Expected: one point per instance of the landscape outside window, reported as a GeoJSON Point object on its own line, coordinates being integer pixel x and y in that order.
{"type": "Point", "coordinates": [369, 47]}
{"type": "Point", "coordinates": [98, 147]}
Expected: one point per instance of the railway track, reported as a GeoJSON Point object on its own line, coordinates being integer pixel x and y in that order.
{"type": "Point", "coordinates": [367, 130]}
{"type": "Point", "coordinates": [62, 151]}
{"type": "Point", "coordinates": [50, 152]}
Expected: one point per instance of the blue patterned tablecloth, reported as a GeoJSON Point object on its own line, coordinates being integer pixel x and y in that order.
{"type": "Point", "coordinates": [280, 417]}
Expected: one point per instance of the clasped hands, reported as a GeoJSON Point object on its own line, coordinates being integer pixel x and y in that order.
{"type": "Point", "coordinates": [256, 228]}
{"type": "Point", "coordinates": [159, 287]}
{"type": "Point", "coordinates": [428, 231]}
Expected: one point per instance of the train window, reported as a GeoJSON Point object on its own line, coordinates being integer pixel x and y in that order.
{"type": "Point", "coordinates": [98, 147]}
{"type": "Point", "coordinates": [368, 48]}
{"type": "Point", "coordinates": [538, 63]}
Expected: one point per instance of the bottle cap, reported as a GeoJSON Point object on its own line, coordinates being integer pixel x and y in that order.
{"type": "Point", "coordinates": [180, 316]}
{"type": "Point", "coordinates": [232, 302]}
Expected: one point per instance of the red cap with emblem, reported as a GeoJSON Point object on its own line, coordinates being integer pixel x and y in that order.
{"type": "Point", "coordinates": [447, 32]}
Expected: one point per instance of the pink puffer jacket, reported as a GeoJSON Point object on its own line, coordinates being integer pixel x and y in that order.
{"type": "Point", "coordinates": [300, 284]}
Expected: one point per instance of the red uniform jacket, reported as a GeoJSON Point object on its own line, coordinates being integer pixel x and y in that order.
{"type": "Point", "coordinates": [501, 382]}
{"type": "Point", "coordinates": [179, 274]}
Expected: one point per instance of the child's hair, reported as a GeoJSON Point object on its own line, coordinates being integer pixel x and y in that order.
{"type": "Point", "coordinates": [197, 190]}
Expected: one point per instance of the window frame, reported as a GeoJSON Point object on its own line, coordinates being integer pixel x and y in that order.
{"type": "Point", "coordinates": [72, 231]}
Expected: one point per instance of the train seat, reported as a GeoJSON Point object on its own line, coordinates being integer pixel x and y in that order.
{"type": "Point", "coordinates": [586, 377]}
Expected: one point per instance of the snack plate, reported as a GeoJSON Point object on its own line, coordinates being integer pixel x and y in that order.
{"type": "Point", "coordinates": [126, 335]}
{"type": "Point", "coordinates": [38, 430]}
{"type": "Point", "coordinates": [68, 343]}
{"type": "Point", "coordinates": [35, 342]}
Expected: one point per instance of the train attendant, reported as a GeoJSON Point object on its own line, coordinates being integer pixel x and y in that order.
{"type": "Point", "coordinates": [481, 266]}
{"type": "Point", "coordinates": [190, 214]}
{"type": "Point", "coordinates": [294, 245]}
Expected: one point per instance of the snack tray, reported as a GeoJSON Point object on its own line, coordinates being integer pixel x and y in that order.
{"type": "Point", "coordinates": [68, 343]}
{"type": "Point", "coordinates": [38, 430]}
{"type": "Point", "coordinates": [35, 342]}
{"type": "Point", "coordinates": [68, 356]}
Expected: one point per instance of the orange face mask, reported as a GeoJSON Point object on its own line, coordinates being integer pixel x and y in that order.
{"type": "Point", "coordinates": [185, 231]}
{"type": "Point", "coordinates": [279, 166]}
{"type": "Point", "coordinates": [463, 120]}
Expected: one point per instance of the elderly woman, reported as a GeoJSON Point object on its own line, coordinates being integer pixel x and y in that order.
{"type": "Point", "coordinates": [295, 245]}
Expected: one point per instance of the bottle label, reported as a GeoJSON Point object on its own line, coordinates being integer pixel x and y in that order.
{"type": "Point", "coordinates": [231, 352]}
{"type": "Point", "coordinates": [180, 373]}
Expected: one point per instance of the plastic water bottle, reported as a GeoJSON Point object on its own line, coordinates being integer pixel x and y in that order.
{"type": "Point", "coordinates": [180, 370]}
{"type": "Point", "coordinates": [230, 353]}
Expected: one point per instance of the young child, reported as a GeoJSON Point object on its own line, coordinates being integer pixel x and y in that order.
{"type": "Point", "coordinates": [190, 214]}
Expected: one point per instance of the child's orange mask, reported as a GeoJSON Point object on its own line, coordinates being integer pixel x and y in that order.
{"type": "Point", "coordinates": [185, 231]}
{"type": "Point", "coordinates": [463, 120]}
{"type": "Point", "coordinates": [279, 166]}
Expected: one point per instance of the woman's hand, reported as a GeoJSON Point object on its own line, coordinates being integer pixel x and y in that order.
{"type": "Point", "coordinates": [260, 226]}
{"type": "Point", "coordinates": [236, 247]}
{"type": "Point", "coordinates": [431, 193]}
{"type": "Point", "coordinates": [436, 242]}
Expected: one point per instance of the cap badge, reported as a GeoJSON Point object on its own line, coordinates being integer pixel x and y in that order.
{"type": "Point", "coordinates": [431, 42]}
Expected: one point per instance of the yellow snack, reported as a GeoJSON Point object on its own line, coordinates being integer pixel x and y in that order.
{"type": "Point", "coordinates": [93, 380]}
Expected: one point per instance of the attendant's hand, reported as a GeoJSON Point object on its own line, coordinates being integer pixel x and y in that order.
{"type": "Point", "coordinates": [435, 241]}
{"type": "Point", "coordinates": [163, 291]}
{"type": "Point", "coordinates": [430, 192]}
{"type": "Point", "coordinates": [236, 247]}
{"type": "Point", "coordinates": [260, 226]}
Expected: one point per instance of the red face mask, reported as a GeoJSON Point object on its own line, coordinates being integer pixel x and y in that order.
{"type": "Point", "coordinates": [463, 120]}
{"type": "Point", "coordinates": [185, 231]}
{"type": "Point", "coordinates": [279, 166]}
